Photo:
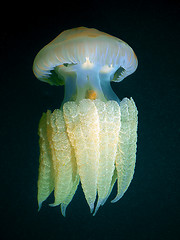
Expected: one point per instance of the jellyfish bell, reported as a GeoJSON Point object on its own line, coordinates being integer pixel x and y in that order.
{"type": "Point", "coordinates": [92, 138]}
{"type": "Point", "coordinates": [85, 59]}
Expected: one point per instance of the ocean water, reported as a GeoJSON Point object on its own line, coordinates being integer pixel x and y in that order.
{"type": "Point", "coordinates": [150, 207]}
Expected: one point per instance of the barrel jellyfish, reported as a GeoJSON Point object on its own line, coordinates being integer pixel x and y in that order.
{"type": "Point", "coordinates": [91, 139]}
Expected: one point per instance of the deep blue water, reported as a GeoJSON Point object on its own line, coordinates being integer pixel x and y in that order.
{"type": "Point", "coordinates": [150, 208]}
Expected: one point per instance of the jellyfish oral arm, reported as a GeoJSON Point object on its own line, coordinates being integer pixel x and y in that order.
{"type": "Point", "coordinates": [92, 142]}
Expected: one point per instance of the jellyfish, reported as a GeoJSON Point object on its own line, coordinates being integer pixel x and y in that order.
{"type": "Point", "coordinates": [92, 138]}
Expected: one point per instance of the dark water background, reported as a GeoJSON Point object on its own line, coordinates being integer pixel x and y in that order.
{"type": "Point", "coordinates": [150, 208]}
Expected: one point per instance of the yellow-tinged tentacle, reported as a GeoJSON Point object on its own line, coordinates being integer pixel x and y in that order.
{"type": "Point", "coordinates": [109, 117]}
{"type": "Point", "coordinates": [57, 161]}
{"type": "Point", "coordinates": [45, 179]}
{"type": "Point", "coordinates": [83, 129]}
{"type": "Point", "coordinates": [63, 158]}
{"type": "Point", "coordinates": [126, 154]}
